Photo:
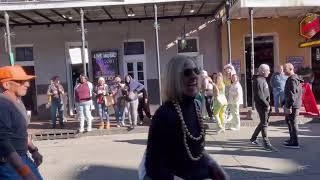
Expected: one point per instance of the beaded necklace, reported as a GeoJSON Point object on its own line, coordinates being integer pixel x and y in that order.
{"type": "Point", "coordinates": [186, 132]}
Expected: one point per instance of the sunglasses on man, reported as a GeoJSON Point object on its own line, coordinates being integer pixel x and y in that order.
{"type": "Point", "coordinates": [188, 72]}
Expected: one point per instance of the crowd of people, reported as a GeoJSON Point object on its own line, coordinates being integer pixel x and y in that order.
{"type": "Point", "coordinates": [176, 140]}
{"type": "Point", "coordinates": [126, 97]}
{"type": "Point", "coordinates": [221, 96]}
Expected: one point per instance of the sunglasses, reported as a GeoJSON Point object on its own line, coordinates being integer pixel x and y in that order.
{"type": "Point", "coordinates": [188, 72]}
{"type": "Point", "coordinates": [19, 82]}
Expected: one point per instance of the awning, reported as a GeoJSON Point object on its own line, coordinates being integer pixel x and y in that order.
{"type": "Point", "coordinates": [97, 11]}
{"type": "Point", "coordinates": [309, 44]}
{"type": "Point", "coordinates": [274, 9]}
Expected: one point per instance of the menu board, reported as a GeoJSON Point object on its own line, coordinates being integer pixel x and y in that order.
{"type": "Point", "coordinates": [296, 61]}
{"type": "Point", "coordinates": [105, 64]}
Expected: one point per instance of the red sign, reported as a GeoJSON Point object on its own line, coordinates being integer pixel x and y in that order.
{"type": "Point", "coordinates": [310, 26]}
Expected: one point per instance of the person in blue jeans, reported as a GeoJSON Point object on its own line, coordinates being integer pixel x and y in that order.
{"type": "Point", "coordinates": [15, 144]}
{"type": "Point", "coordinates": [277, 82]}
{"type": "Point", "coordinates": [101, 90]}
{"type": "Point", "coordinates": [119, 100]}
{"type": "Point", "coordinates": [56, 92]}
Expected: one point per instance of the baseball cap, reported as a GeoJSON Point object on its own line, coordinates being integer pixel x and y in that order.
{"type": "Point", "coordinates": [14, 73]}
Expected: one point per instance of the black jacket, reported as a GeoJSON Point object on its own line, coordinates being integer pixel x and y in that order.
{"type": "Point", "coordinates": [293, 92]}
{"type": "Point", "coordinates": [261, 92]}
{"type": "Point", "coordinates": [166, 153]}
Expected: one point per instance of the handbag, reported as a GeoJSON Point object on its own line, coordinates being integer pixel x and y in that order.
{"type": "Point", "coordinates": [132, 96]}
{"type": "Point", "coordinates": [109, 101]}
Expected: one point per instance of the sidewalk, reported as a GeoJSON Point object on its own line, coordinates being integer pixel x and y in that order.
{"type": "Point", "coordinates": [42, 128]}
{"type": "Point", "coordinates": [117, 157]}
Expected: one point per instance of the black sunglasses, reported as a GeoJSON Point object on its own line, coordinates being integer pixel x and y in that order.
{"type": "Point", "coordinates": [188, 72]}
{"type": "Point", "coordinates": [19, 81]}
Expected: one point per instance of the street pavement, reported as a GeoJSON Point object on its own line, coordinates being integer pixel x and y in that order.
{"type": "Point", "coordinates": [116, 157]}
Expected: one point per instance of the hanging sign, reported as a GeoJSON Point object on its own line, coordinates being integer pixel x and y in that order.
{"type": "Point", "coordinates": [105, 64]}
{"type": "Point", "coordinates": [296, 61]}
{"type": "Point", "coordinates": [310, 26]}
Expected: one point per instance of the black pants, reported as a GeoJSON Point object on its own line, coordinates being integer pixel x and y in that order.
{"type": "Point", "coordinates": [143, 106]}
{"type": "Point", "coordinates": [262, 127]}
{"type": "Point", "coordinates": [209, 101]}
{"type": "Point", "coordinates": [291, 120]}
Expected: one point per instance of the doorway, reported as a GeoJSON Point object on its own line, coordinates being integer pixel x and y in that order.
{"type": "Point", "coordinates": [315, 52]}
{"type": "Point", "coordinates": [263, 54]}
{"type": "Point", "coordinates": [30, 99]}
{"type": "Point", "coordinates": [74, 69]}
{"type": "Point", "coordinates": [136, 70]}
{"type": "Point", "coordinates": [134, 59]}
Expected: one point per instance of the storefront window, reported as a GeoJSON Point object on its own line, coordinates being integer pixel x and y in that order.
{"type": "Point", "coordinates": [134, 48]}
{"type": "Point", "coordinates": [24, 53]}
{"type": "Point", "coordinates": [187, 45]}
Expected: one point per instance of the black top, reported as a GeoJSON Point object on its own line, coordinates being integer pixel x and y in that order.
{"type": "Point", "coordinates": [261, 92]}
{"type": "Point", "coordinates": [293, 92]}
{"type": "Point", "coordinates": [166, 153]}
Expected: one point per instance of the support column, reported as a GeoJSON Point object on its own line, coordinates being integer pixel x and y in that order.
{"type": "Point", "coordinates": [8, 36]}
{"type": "Point", "coordinates": [229, 30]}
{"type": "Point", "coordinates": [252, 52]}
{"type": "Point", "coordinates": [252, 113]}
{"type": "Point", "coordinates": [83, 41]}
{"type": "Point", "coordinates": [156, 26]}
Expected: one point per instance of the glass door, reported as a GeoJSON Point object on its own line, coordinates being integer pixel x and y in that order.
{"type": "Point", "coordinates": [136, 70]}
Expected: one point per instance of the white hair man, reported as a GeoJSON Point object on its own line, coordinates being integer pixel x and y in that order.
{"type": "Point", "coordinates": [262, 102]}
{"type": "Point", "coordinates": [293, 92]}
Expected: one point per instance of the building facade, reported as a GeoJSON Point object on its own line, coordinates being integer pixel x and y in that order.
{"type": "Point", "coordinates": [44, 50]}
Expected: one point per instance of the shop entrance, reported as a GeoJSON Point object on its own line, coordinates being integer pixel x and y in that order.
{"type": "Point", "coordinates": [263, 54]}
{"type": "Point", "coordinates": [30, 99]}
{"type": "Point", "coordinates": [315, 51]}
{"type": "Point", "coordinates": [74, 69]}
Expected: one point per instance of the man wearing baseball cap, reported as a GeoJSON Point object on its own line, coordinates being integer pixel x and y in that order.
{"type": "Point", "coordinates": [14, 140]}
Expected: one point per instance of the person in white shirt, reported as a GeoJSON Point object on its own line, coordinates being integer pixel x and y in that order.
{"type": "Point", "coordinates": [207, 88]}
{"type": "Point", "coordinates": [235, 98]}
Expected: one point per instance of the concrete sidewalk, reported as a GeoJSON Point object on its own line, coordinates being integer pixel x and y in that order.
{"type": "Point", "coordinates": [116, 157]}
{"type": "Point", "coordinates": [42, 128]}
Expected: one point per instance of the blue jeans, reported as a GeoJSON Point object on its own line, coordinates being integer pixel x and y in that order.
{"type": "Point", "coordinates": [119, 113]}
{"type": "Point", "coordinates": [7, 172]}
{"type": "Point", "coordinates": [56, 106]}
{"type": "Point", "coordinates": [103, 112]}
{"type": "Point", "coordinates": [84, 113]}
{"type": "Point", "coordinates": [278, 98]}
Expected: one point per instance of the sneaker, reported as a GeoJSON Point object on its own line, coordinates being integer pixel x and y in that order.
{"type": "Point", "coordinates": [81, 131]}
{"type": "Point", "coordinates": [288, 141]}
{"type": "Point", "coordinates": [221, 130]}
{"type": "Point", "coordinates": [292, 146]}
{"type": "Point", "coordinates": [254, 142]}
{"type": "Point", "coordinates": [89, 130]}
{"type": "Point", "coordinates": [269, 147]}
{"type": "Point", "coordinates": [234, 129]}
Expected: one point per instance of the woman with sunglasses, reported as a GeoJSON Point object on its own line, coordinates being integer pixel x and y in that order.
{"type": "Point", "coordinates": [177, 135]}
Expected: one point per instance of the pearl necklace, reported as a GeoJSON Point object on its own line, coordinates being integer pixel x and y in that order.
{"type": "Point", "coordinates": [186, 132]}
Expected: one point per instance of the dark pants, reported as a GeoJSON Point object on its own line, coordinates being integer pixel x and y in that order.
{"type": "Point", "coordinates": [209, 101]}
{"type": "Point", "coordinates": [143, 106]}
{"type": "Point", "coordinates": [291, 120]}
{"type": "Point", "coordinates": [56, 106]}
{"type": "Point", "coordinates": [262, 126]}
